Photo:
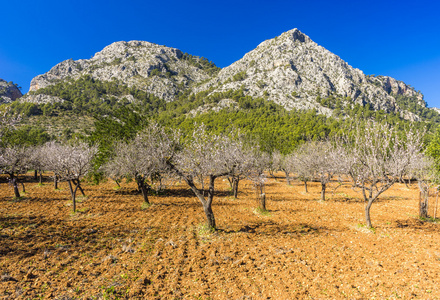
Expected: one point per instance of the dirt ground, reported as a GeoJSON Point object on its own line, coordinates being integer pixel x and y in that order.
{"type": "Point", "coordinates": [302, 248]}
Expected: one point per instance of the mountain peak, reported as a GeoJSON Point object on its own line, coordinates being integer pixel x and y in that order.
{"type": "Point", "coordinates": [297, 35]}
{"type": "Point", "coordinates": [159, 70]}
{"type": "Point", "coordinates": [297, 73]}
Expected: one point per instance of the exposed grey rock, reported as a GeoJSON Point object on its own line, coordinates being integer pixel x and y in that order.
{"type": "Point", "coordinates": [293, 71]}
{"type": "Point", "coordinates": [40, 99]}
{"type": "Point", "coordinates": [222, 104]}
{"type": "Point", "coordinates": [8, 92]}
{"type": "Point", "coordinates": [159, 70]}
{"type": "Point", "coordinates": [290, 70]}
{"type": "Point", "coordinates": [437, 110]}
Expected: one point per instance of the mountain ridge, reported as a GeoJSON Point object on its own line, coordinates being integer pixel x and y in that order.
{"type": "Point", "coordinates": [294, 71]}
{"type": "Point", "coordinates": [291, 70]}
{"type": "Point", "coordinates": [159, 70]}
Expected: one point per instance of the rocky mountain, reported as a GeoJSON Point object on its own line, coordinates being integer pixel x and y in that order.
{"type": "Point", "coordinates": [8, 92]}
{"type": "Point", "coordinates": [290, 70]}
{"type": "Point", "coordinates": [295, 72]}
{"type": "Point", "coordinates": [159, 70]}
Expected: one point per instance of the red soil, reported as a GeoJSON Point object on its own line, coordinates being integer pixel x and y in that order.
{"type": "Point", "coordinates": [303, 248]}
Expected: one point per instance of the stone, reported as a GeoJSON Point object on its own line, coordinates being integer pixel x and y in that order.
{"type": "Point", "coordinates": [8, 92]}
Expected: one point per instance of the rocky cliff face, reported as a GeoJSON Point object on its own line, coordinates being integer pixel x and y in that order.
{"type": "Point", "coordinates": [295, 72]}
{"type": "Point", "coordinates": [8, 92]}
{"type": "Point", "coordinates": [159, 70]}
{"type": "Point", "coordinates": [290, 70]}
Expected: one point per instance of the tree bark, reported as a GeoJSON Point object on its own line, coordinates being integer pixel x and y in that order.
{"type": "Point", "coordinates": [230, 182]}
{"type": "Point", "coordinates": [40, 178]}
{"type": "Point", "coordinates": [15, 186]}
{"type": "Point", "coordinates": [73, 194]}
{"type": "Point", "coordinates": [367, 213]}
{"type": "Point", "coordinates": [423, 205]}
{"type": "Point", "coordinates": [262, 204]}
{"type": "Point", "coordinates": [423, 199]}
{"type": "Point", "coordinates": [323, 187]}
{"type": "Point", "coordinates": [145, 193]}
{"type": "Point", "coordinates": [144, 188]}
{"type": "Point", "coordinates": [287, 177]}
{"type": "Point", "coordinates": [210, 219]}
{"type": "Point", "coordinates": [305, 186]}
{"type": "Point", "coordinates": [272, 174]}
{"type": "Point", "coordinates": [35, 174]}
{"type": "Point", "coordinates": [78, 184]}
{"type": "Point", "coordinates": [208, 207]}
{"type": "Point", "coordinates": [55, 182]}
{"type": "Point", "coordinates": [207, 204]}
{"type": "Point", "coordinates": [235, 181]}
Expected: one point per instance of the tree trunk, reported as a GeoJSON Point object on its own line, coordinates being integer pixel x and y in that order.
{"type": "Point", "coordinates": [143, 188]}
{"type": "Point", "coordinates": [78, 184]}
{"type": "Point", "coordinates": [210, 219]}
{"type": "Point", "coordinates": [40, 178]}
{"type": "Point", "coordinates": [55, 182]}
{"type": "Point", "coordinates": [205, 203]}
{"type": "Point", "coordinates": [35, 174]}
{"type": "Point", "coordinates": [423, 199]}
{"type": "Point", "coordinates": [15, 186]}
{"type": "Point", "coordinates": [272, 174]}
{"type": "Point", "coordinates": [423, 204]}
{"type": "Point", "coordinates": [305, 186]}
{"type": "Point", "coordinates": [230, 182]}
{"type": "Point", "coordinates": [262, 202]}
{"type": "Point", "coordinates": [323, 186]}
{"type": "Point", "coordinates": [207, 206]}
{"type": "Point", "coordinates": [367, 213]}
{"type": "Point", "coordinates": [235, 181]}
{"type": "Point", "coordinates": [287, 177]}
{"type": "Point", "coordinates": [73, 194]}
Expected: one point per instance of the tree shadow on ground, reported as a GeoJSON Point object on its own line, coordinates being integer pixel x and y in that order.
{"type": "Point", "coordinates": [417, 224]}
{"type": "Point", "coordinates": [26, 236]}
{"type": "Point", "coordinates": [270, 228]}
{"type": "Point", "coordinates": [188, 193]}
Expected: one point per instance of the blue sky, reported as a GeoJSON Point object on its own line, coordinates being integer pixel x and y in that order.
{"type": "Point", "coordinates": [395, 38]}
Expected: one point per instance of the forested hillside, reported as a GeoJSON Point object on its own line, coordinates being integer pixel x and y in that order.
{"type": "Point", "coordinates": [95, 101]}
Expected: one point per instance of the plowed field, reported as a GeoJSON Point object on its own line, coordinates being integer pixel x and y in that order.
{"type": "Point", "coordinates": [302, 248]}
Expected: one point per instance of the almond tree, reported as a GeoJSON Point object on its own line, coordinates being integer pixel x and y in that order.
{"type": "Point", "coordinates": [239, 164]}
{"type": "Point", "coordinates": [377, 157]}
{"type": "Point", "coordinates": [260, 163]}
{"type": "Point", "coordinates": [14, 160]}
{"type": "Point", "coordinates": [323, 161]}
{"type": "Point", "coordinates": [203, 157]}
{"type": "Point", "coordinates": [283, 162]}
{"type": "Point", "coordinates": [302, 163]}
{"type": "Point", "coordinates": [422, 168]}
{"type": "Point", "coordinates": [49, 158]}
{"type": "Point", "coordinates": [143, 157]}
{"type": "Point", "coordinates": [131, 160]}
{"type": "Point", "coordinates": [37, 157]}
{"type": "Point", "coordinates": [70, 163]}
